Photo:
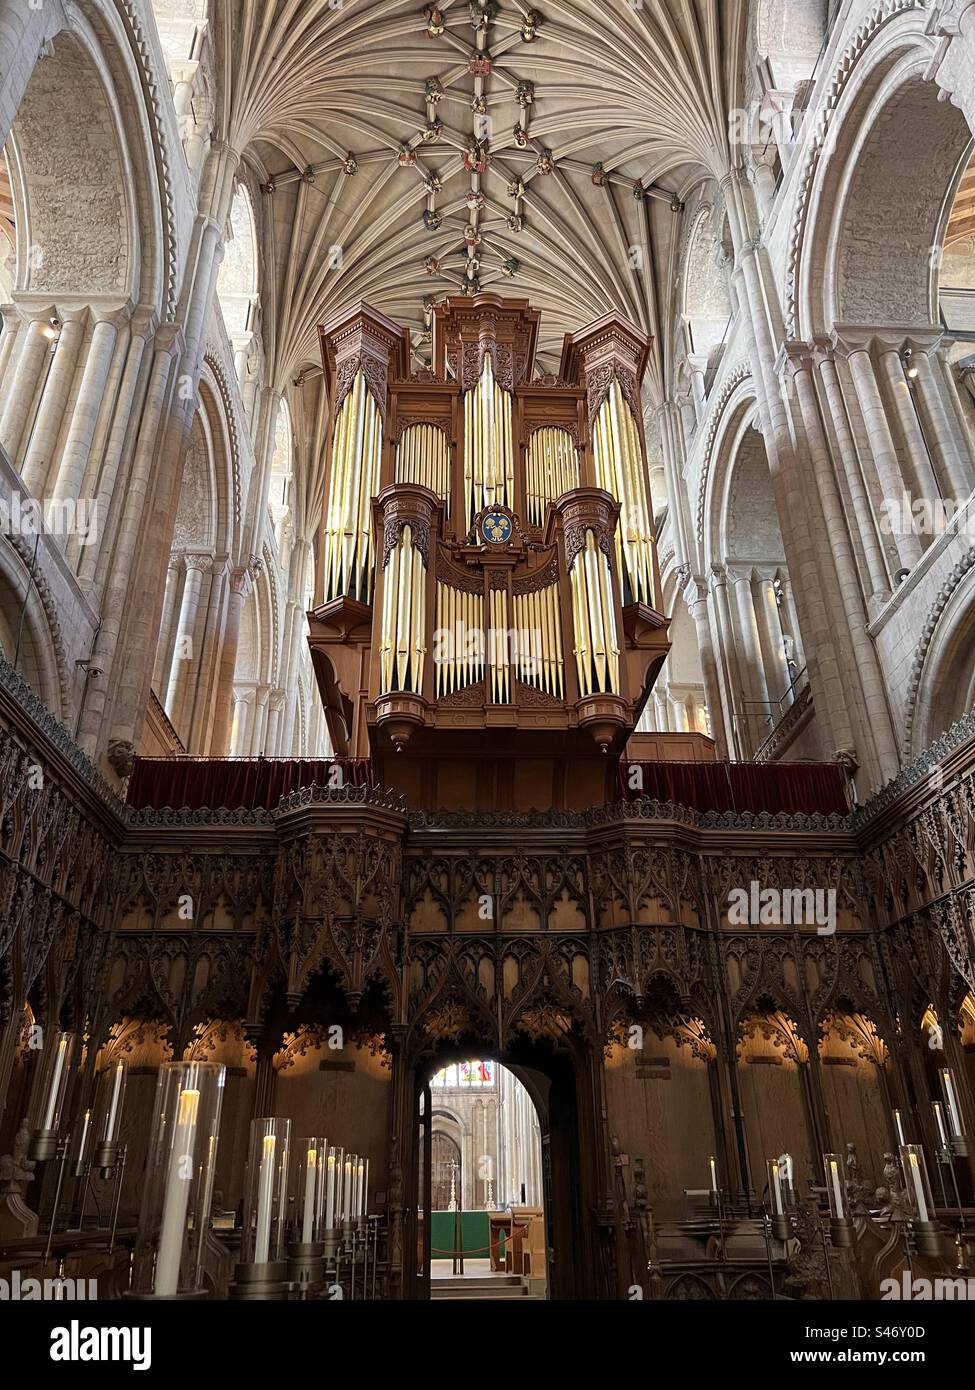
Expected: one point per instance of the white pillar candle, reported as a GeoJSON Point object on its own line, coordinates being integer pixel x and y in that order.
{"type": "Point", "coordinates": [114, 1104]}
{"type": "Point", "coordinates": [954, 1110]}
{"type": "Point", "coordinates": [714, 1174]}
{"type": "Point", "coordinates": [778, 1206]}
{"type": "Point", "coordinates": [347, 1191]}
{"type": "Point", "coordinates": [52, 1095]}
{"type": "Point", "coordinates": [311, 1169]}
{"type": "Point", "coordinates": [85, 1126]}
{"type": "Point", "coordinates": [834, 1177]}
{"type": "Point", "coordinates": [917, 1182]}
{"type": "Point", "coordinates": [178, 1180]}
{"type": "Point", "coordinates": [939, 1120]}
{"type": "Point", "coordinates": [360, 1206]}
{"type": "Point", "coordinates": [899, 1127]}
{"type": "Point", "coordinates": [330, 1192]}
{"type": "Point", "coordinates": [265, 1198]}
{"type": "Point", "coordinates": [365, 1191]}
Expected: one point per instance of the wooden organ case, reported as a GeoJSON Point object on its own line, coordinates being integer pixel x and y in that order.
{"type": "Point", "coordinates": [487, 623]}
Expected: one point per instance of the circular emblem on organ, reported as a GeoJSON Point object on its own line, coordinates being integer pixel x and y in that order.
{"type": "Point", "coordinates": [496, 528]}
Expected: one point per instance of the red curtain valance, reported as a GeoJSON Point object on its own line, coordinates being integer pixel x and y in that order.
{"type": "Point", "coordinates": [778, 788]}
{"type": "Point", "coordinates": [257, 783]}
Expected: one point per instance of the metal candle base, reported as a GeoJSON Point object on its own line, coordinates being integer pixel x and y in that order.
{"type": "Point", "coordinates": [105, 1159]}
{"type": "Point", "coordinates": [306, 1266]}
{"type": "Point", "coordinates": [260, 1281]}
{"type": "Point", "coordinates": [928, 1238]}
{"type": "Point", "coordinates": [841, 1232]}
{"type": "Point", "coordinates": [781, 1227]}
{"type": "Point", "coordinates": [43, 1145]}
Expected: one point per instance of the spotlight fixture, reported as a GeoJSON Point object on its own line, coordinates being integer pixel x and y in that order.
{"type": "Point", "coordinates": [907, 358]}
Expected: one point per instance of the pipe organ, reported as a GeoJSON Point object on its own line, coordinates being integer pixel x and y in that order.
{"type": "Point", "coordinates": [488, 585]}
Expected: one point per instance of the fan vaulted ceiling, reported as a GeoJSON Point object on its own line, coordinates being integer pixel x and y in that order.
{"type": "Point", "coordinates": [360, 116]}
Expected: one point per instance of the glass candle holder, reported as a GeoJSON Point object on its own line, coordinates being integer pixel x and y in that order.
{"type": "Point", "coordinates": [956, 1123]}
{"type": "Point", "coordinates": [180, 1169]}
{"type": "Point", "coordinates": [53, 1092]}
{"type": "Point", "coordinates": [109, 1102]}
{"type": "Point", "coordinates": [266, 1192]}
{"type": "Point", "coordinates": [348, 1187]}
{"type": "Point", "coordinates": [778, 1201]}
{"type": "Point", "coordinates": [309, 1177]}
{"type": "Point", "coordinates": [841, 1227]}
{"type": "Point", "coordinates": [81, 1145]}
{"type": "Point", "coordinates": [941, 1129]}
{"type": "Point", "coordinates": [898, 1117]}
{"type": "Point", "coordinates": [919, 1195]}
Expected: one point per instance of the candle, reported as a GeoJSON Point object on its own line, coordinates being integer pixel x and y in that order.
{"type": "Point", "coordinates": [178, 1181]}
{"type": "Point", "coordinates": [914, 1172]}
{"type": "Point", "coordinates": [330, 1192]}
{"type": "Point", "coordinates": [899, 1126]}
{"type": "Point", "coordinates": [52, 1095]}
{"type": "Point", "coordinates": [360, 1206]}
{"type": "Point", "coordinates": [347, 1191]}
{"type": "Point", "coordinates": [82, 1146]}
{"type": "Point", "coordinates": [939, 1120]}
{"type": "Point", "coordinates": [265, 1195]}
{"type": "Point", "coordinates": [954, 1111]}
{"type": "Point", "coordinates": [834, 1176]}
{"type": "Point", "coordinates": [778, 1206]}
{"type": "Point", "coordinates": [714, 1174]}
{"type": "Point", "coordinates": [113, 1108]}
{"type": "Point", "coordinates": [365, 1191]}
{"type": "Point", "coordinates": [311, 1169]}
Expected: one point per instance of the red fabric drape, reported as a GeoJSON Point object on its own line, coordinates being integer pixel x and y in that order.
{"type": "Point", "coordinates": [787, 788]}
{"type": "Point", "coordinates": [257, 783]}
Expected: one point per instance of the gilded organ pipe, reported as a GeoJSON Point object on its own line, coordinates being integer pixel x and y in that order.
{"type": "Point", "coordinates": [423, 457]}
{"type": "Point", "coordinates": [539, 639]}
{"type": "Point", "coordinates": [354, 481]}
{"type": "Point", "coordinates": [489, 474]}
{"type": "Point", "coordinates": [403, 633]}
{"type": "Point", "coordinates": [597, 649]}
{"type": "Point", "coordinates": [459, 650]}
{"type": "Point", "coordinates": [619, 470]}
{"type": "Point", "coordinates": [552, 469]}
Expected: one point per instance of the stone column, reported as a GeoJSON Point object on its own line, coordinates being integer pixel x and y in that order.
{"type": "Point", "coordinates": [275, 706]}
{"type": "Point", "coordinates": [886, 463]}
{"type": "Point", "coordinates": [210, 626]}
{"type": "Point", "coordinates": [35, 343]}
{"type": "Point", "coordinates": [758, 711]}
{"type": "Point", "coordinates": [862, 669]}
{"type": "Point", "coordinates": [84, 414]}
{"type": "Point", "coordinates": [734, 681]}
{"type": "Point", "coordinates": [696, 598]}
{"type": "Point", "coordinates": [182, 678]}
{"type": "Point", "coordinates": [777, 676]}
{"type": "Point", "coordinates": [697, 363]}
{"type": "Point", "coordinates": [223, 739]}
{"type": "Point", "coordinates": [241, 730]}
{"type": "Point", "coordinates": [9, 337]}
{"type": "Point", "coordinates": [876, 581]}
{"type": "Point", "coordinates": [109, 501]}
{"type": "Point", "coordinates": [955, 471]}
{"type": "Point", "coordinates": [40, 446]}
{"type": "Point", "coordinates": [168, 628]}
{"type": "Point", "coordinates": [924, 482]}
{"type": "Point", "coordinates": [258, 739]}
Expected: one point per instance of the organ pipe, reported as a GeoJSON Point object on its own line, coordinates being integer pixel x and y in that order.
{"type": "Point", "coordinates": [489, 472]}
{"type": "Point", "coordinates": [403, 635]}
{"type": "Point", "coordinates": [552, 469]}
{"type": "Point", "coordinates": [500, 674]}
{"type": "Point", "coordinates": [460, 644]}
{"type": "Point", "coordinates": [594, 621]}
{"type": "Point", "coordinates": [354, 481]}
{"type": "Point", "coordinates": [423, 457]}
{"type": "Point", "coordinates": [539, 637]}
{"type": "Point", "coordinates": [619, 470]}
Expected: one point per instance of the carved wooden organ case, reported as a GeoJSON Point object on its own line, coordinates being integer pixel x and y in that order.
{"type": "Point", "coordinates": [488, 556]}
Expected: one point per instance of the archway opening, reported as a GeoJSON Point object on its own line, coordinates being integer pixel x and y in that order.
{"type": "Point", "coordinates": [484, 1231]}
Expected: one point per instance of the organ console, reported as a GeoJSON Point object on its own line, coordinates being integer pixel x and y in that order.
{"type": "Point", "coordinates": [487, 624]}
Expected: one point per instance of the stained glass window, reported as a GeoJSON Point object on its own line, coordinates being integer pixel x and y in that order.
{"type": "Point", "coordinates": [473, 1073]}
